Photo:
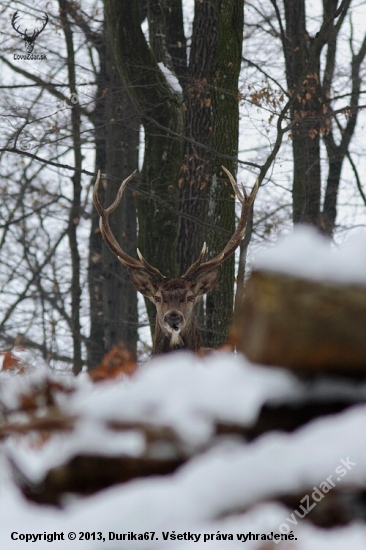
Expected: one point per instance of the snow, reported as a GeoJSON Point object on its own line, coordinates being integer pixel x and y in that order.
{"type": "Point", "coordinates": [226, 485]}
{"type": "Point", "coordinates": [89, 437]}
{"type": "Point", "coordinates": [182, 392]}
{"type": "Point", "coordinates": [307, 254]}
{"type": "Point", "coordinates": [276, 464]}
{"type": "Point", "coordinates": [229, 478]}
{"type": "Point", "coordinates": [13, 387]}
{"type": "Point", "coordinates": [171, 79]}
{"type": "Point", "coordinates": [188, 394]}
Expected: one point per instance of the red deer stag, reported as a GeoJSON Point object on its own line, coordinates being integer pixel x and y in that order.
{"type": "Point", "coordinates": [176, 326]}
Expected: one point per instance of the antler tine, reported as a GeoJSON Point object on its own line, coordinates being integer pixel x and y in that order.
{"type": "Point", "coordinates": [152, 271]}
{"type": "Point", "coordinates": [246, 202]}
{"type": "Point", "coordinates": [192, 269]}
{"type": "Point", "coordinates": [110, 240]}
{"type": "Point", "coordinates": [13, 20]}
{"type": "Point", "coordinates": [234, 185]}
{"type": "Point", "coordinates": [38, 32]}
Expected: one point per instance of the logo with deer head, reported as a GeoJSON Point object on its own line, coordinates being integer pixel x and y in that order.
{"type": "Point", "coordinates": [29, 39]}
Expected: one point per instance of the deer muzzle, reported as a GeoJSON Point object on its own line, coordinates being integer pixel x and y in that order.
{"type": "Point", "coordinates": [174, 320]}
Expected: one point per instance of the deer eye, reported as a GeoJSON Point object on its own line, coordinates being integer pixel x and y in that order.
{"type": "Point", "coordinates": [157, 299]}
{"type": "Point", "coordinates": [191, 298]}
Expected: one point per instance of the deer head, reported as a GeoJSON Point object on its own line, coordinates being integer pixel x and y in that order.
{"type": "Point", "coordinates": [174, 298]}
{"type": "Point", "coordinates": [29, 39]}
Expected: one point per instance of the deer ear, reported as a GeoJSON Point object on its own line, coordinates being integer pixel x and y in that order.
{"type": "Point", "coordinates": [142, 283]}
{"type": "Point", "coordinates": [206, 281]}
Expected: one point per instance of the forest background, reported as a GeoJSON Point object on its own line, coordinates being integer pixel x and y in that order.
{"type": "Point", "coordinates": [271, 90]}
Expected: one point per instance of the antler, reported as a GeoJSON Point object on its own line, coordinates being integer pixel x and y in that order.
{"type": "Point", "coordinates": [13, 19]}
{"type": "Point", "coordinates": [38, 32]}
{"type": "Point", "coordinates": [198, 267]}
{"type": "Point", "coordinates": [141, 264]}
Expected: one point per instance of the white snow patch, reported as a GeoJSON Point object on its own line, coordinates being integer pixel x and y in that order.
{"type": "Point", "coordinates": [89, 437]}
{"type": "Point", "coordinates": [307, 254]}
{"type": "Point", "coordinates": [171, 79]}
{"type": "Point", "coordinates": [14, 385]}
{"type": "Point", "coordinates": [179, 391]}
{"type": "Point", "coordinates": [223, 479]}
{"type": "Point", "coordinates": [189, 394]}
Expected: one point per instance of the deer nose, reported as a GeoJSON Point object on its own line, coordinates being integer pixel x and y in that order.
{"type": "Point", "coordinates": [173, 319]}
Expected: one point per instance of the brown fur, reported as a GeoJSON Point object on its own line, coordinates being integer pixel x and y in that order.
{"type": "Point", "coordinates": [175, 299]}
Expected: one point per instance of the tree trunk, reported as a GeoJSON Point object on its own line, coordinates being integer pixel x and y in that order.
{"type": "Point", "coordinates": [212, 116]}
{"type": "Point", "coordinates": [311, 111]}
{"type": "Point", "coordinates": [96, 342]}
{"type": "Point", "coordinates": [337, 153]}
{"type": "Point", "coordinates": [303, 74]}
{"type": "Point", "coordinates": [114, 318]}
{"type": "Point", "coordinates": [162, 112]}
{"type": "Point", "coordinates": [119, 293]}
{"type": "Point", "coordinates": [75, 210]}
{"type": "Point", "coordinates": [224, 139]}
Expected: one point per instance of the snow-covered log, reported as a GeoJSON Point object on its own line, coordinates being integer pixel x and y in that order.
{"type": "Point", "coordinates": [305, 306]}
{"type": "Point", "coordinates": [294, 322]}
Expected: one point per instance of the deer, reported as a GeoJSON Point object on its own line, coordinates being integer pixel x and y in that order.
{"type": "Point", "coordinates": [29, 39]}
{"type": "Point", "coordinates": [174, 298]}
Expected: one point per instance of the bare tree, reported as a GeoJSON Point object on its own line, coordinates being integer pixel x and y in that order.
{"type": "Point", "coordinates": [314, 111]}
{"type": "Point", "coordinates": [113, 303]}
{"type": "Point", "coordinates": [190, 114]}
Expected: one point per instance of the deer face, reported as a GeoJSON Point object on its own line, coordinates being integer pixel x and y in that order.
{"type": "Point", "coordinates": [174, 299]}
{"type": "Point", "coordinates": [174, 303]}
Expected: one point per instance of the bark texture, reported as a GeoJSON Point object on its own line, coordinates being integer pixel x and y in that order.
{"type": "Point", "coordinates": [303, 73]}
{"type": "Point", "coordinates": [302, 324]}
{"type": "Point", "coordinates": [212, 118]}
{"type": "Point", "coordinates": [75, 210]}
{"type": "Point", "coordinates": [113, 297]}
